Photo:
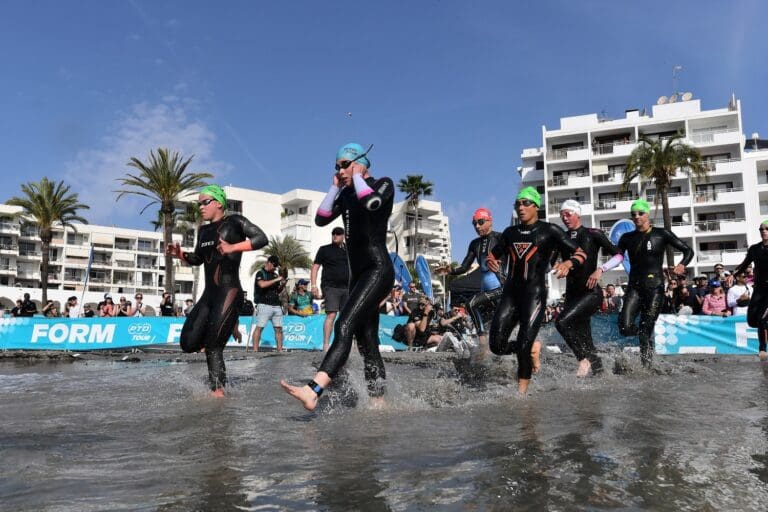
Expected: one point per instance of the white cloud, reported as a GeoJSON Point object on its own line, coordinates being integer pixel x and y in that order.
{"type": "Point", "coordinates": [94, 172]}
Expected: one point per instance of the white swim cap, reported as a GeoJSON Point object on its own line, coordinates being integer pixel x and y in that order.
{"type": "Point", "coordinates": [572, 205]}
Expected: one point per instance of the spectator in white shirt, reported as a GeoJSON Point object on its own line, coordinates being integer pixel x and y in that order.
{"type": "Point", "coordinates": [739, 294]}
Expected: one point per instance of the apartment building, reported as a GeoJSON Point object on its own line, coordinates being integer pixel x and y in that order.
{"type": "Point", "coordinates": [585, 160]}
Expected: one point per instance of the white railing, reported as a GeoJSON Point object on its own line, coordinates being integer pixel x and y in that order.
{"type": "Point", "coordinates": [711, 165]}
{"type": "Point", "coordinates": [714, 225]}
{"type": "Point", "coordinates": [707, 136]}
{"type": "Point", "coordinates": [711, 195]}
{"type": "Point", "coordinates": [303, 217]}
{"type": "Point", "coordinates": [606, 148]}
{"type": "Point", "coordinates": [716, 256]}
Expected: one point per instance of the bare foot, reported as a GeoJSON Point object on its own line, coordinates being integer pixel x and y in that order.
{"type": "Point", "coordinates": [217, 393]}
{"type": "Point", "coordinates": [584, 367]}
{"type": "Point", "coordinates": [378, 403]}
{"type": "Point", "coordinates": [763, 355]}
{"type": "Point", "coordinates": [535, 356]}
{"type": "Point", "coordinates": [303, 394]}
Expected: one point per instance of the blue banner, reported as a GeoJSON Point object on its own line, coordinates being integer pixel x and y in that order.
{"type": "Point", "coordinates": [698, 334]}
{"type": "Point", "coordinates": [425, 276]}
{"type": "Point", "coordinates": [38, 333]}
{"type": "Point", "coordinates": [402, 275]}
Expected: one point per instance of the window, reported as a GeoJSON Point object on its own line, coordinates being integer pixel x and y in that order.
{"type": "Point", "coordinates": [145, 245]}
{"type": "Point", "coordinates": [539, 165]}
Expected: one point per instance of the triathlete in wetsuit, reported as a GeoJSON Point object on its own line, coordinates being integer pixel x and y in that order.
{"type": "Point", "coordinates": [365, 205]}
{"type": "Point", "coordinates": [215, 315]}
{"type": "Point", "coordinates": [481, 304]}
{"type": "Point", "coordinates": [583, 296]}
{"type": "Point", "coordinates": [645, 248]}
{"type": "Point", "coordinates": [757, 312]}
{"type": "Point", "coordinates": [531, 246]}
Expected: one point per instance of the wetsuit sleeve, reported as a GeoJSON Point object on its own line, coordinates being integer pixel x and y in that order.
{"type": "Point", "coordinates": [605, 244]}
{"type": "Point", "coordinates": [746, 263]}
{"type": "Point", "coordinates": [500, 249]}
{"type": "Point", "coordinates": [464, 267]}
{"type": "Point", "coordinates": [680, 246]}
{"type": "Point", "coordinates": [253, 233]}
{"type": "Point", "coordinates": [373, 197]}
{"type": "Point", "coordinates": [329, 208]}
{"type": "Point", "coordinates": [578, 257]}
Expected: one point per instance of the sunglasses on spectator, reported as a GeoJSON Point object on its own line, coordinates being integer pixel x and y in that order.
{"type": "Point", "coordinates": [346, 163]}
{"type": "Point", "coordinates": [205, 202]}
{"type": "Point", "coordinates": [524, 202]}
{"type": "Point", "coordinates": [138, 297]}
{"type": "Point", "coordinates": [479, 222]}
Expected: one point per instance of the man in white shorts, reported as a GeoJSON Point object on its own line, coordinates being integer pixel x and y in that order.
{"type": "Point", "coordinates": [266, 296]}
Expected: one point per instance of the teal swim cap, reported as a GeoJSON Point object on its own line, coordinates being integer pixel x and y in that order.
{"type": "Point", "coordinates": [640, 205]}
{"type": "Point", "coordinates": [352, 151]}
{"type": "Point", "coordinates": [216, 192]}
{"type": "Point", "coordinates": [530, 194]}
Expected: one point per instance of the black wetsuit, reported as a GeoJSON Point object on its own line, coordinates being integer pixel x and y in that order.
{"type": "Point", "coordinates": [482, 304]}
{"type": "Point", "coordinates": [530, 248]}
{"type": "Point", "coordinates": [213, 318]}
{"type": "Point", "coordinates": [645, 293]}
{"type": "Point", "coordinates": [574, 321]}
{"type": "Point", "coordinates": [371, 278]}
{"type": "Point", "coordinates": [757, 312]}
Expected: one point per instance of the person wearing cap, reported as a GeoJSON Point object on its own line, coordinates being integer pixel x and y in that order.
{"type": "Point", "coordinates": [757, 311]}
{"type": "Point", "coordinates": [531, 245]}
{"type": "Point", "coordinates": [715, 303]}
{"type": "Point", "coordinates": [268, 284]}
{"type": "Point", "coordinates": [300, 302]}
{"type": "Point", "coordinates": [646, 247]}
{"type": "Point", "coordinates": [482, 305]}
{"type": "Point", "coordinates": [220, 244]}
{"type": "Point", "coordinates": [583, 295]}
{"type": "Point", "coordinates": [332, 258]}
{"type": "Point", "coordinates": [739, 294]}
{"type": "Point", "coordinates": [365, 204]}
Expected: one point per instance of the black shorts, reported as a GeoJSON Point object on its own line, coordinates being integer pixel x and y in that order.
{"type": "Point", "coordinates": [335, 298]}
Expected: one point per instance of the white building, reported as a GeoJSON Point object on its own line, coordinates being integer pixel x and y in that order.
{"type": "Point", "coordinates": [127, 261]}
{"type": "Point", "coordinates": [584, 160]}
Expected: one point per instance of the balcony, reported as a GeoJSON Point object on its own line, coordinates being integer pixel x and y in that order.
{"type": "Point", "coordinates": [27, 274]}
{"type": "Point", "coordinates": [612, 178]}
{"type": "Point", "coordinates": [30, 254]}
{"type": "Point", "coordinates": [26, 232]}
{"type": "Point", "coordinates": [675, 199]}
{"type": "Point", "coordinates": [611, 149]}
{"type": "Point", "coordinates": [290, 220]}
{"type": "Point", "coordinates": [7, 269]}
{"type": "Point", "coordinates": [426, 227]}
{"type": "Point", "coordinates": [578, 179]}
{"type": "Point", "coordinates": [716, 137]}
{"type": "Point", "coordinates": [723, 166]}
{"type": "Point", "coordinates": [554, 207]}
{"type": "Point", "coordinates": [9, 227]}
{"type": "Point", "coordinates": [725, 196]}
{"type": "Point", "coordinates": [6, 248]}
{"type": "Point", "coordinates": [721, 226]}
{"type": "Point", "coordinates": [728, 257]}
{"type": "Point", "coordinates": [572, 154]}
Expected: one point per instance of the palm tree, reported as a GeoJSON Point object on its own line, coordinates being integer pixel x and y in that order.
{"type": "Point", "coordinates": [658, 161]}
{"type": "Point", "coordinates": [414, 187]}
{"type": "Point", "coordinates": [288, 250]}
{"type": "Point", "coordinates": [46, 204]}
{"type": "Point", "coordinates": [164, 180]}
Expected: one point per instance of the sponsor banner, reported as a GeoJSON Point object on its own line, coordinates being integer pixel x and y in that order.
{"type": "Point", "coordinates": [698, 334]}
{"type": "Point", "coordinates": [38, 333]}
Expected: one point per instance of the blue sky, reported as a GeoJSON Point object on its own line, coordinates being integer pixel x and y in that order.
{"type": "Point", "coordinates": [260, 91]}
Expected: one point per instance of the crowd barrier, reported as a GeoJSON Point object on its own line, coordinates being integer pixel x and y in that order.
{"type": "Point", "coordinates": [38, 333]}
{"type": "Point", "coordinates": [697, 334]}
{"type": "Point", "coordinates": [681, 334]}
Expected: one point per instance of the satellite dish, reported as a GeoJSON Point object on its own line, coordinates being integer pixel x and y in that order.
{"type": "Point", "coordinates": [673, 98]}
{"type": "Point", "coordinates": [687, 96]}
{"type": "Point", "coordinates": [662, 100]}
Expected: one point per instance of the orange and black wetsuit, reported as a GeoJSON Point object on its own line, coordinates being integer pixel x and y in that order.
{"type": "Point", "coordinates": [531, 249]}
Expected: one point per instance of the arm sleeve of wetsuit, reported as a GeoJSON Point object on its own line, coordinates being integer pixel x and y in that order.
{"type": "Point", "coordinates": [253, 233]}
{"type": "Point", "coordinates": [746, 263]}
{"type": "Point", "coordinates": [373, 198]}
{"type": "Point", "coordinates": [329, 208]}
{"type": "Point", "coordinates": [578, 256]}
{"type": "Point", "coordinates": [192, 258]}
{"type": "Point", "coordinates": [464, 267]}
{"type": "Point", "coordinates": [502, 246]}
{"type": "Point", "coordinates": [680, 246]}
{"type": "Point", "coordinates": [605, 244]}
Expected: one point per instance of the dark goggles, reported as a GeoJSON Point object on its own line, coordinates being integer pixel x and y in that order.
{"type": "Point", "coordinates": [346, 163]}
{"type": "Point", "coordinates": [637, 213]}
{"type": "Point", "coordinates": [479, 222]}
{"type": "Point", "coordinates": [205, 202]}
{"type": "Point", "coordinates": [524, 202]}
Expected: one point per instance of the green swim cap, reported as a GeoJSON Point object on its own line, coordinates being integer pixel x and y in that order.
{"type": "Point", "coordinates": [530, 194]}
{"type": "Point", "coordinates": [217, 193]}
{"type": "Point", "coordinates": [640, 205]}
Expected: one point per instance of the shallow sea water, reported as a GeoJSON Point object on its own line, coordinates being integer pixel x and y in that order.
{"type": "Point", "coordinates": [102, 434]}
